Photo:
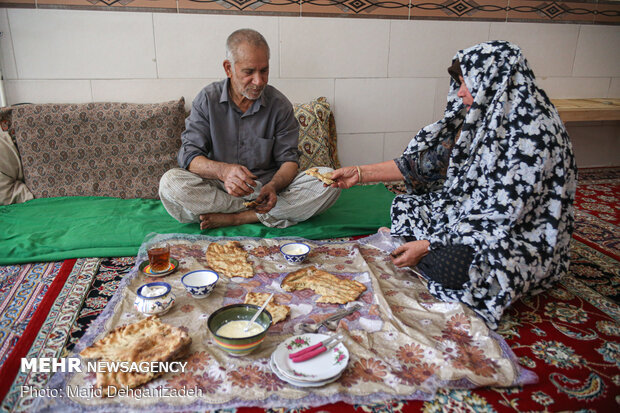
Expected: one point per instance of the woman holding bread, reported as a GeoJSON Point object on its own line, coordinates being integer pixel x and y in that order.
{"type": "Point", "coordinates": [488, 212]}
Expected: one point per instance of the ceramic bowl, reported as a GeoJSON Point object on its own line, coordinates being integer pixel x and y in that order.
{"type": "Point", "coordinates": [238, 346]}
{"type": "Point", "coordinates": [200, 283]}
{"type": "Point", "coordinates": [295, 252]}
{"type": "Point", "coordinates": [157, 302]}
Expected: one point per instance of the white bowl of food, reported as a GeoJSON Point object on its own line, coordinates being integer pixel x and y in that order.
{"type": "Point", "coordinates": [295, 252]}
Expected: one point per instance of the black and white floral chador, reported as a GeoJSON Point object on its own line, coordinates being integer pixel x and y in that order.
{"type": "Point", "coordinates": [509, 186]}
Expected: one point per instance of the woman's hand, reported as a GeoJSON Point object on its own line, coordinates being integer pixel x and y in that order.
{"type": "Point", "coordinates": [410, 254]}
{"type": "Point", "coordinates": [345, 177]}
{"type": "Point", "coordinates": [377, 172]}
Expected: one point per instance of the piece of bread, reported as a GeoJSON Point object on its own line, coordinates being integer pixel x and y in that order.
{"type": "Point", "coordinates": [325, 178]}
{"type": "Point", "coordinates": [333, 289]}
{"type": "Point", "coordinates": [251, 204]}
{"type": "Point", "coordinates": [148, 340]}
{"type": "Point", "coordinates": [229, 259]}
{"type": "Point", "coordinates": [113, 382]}
{"type": "Point", "coordinates": [278, 312]}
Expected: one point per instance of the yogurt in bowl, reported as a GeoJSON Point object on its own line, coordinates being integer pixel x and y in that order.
{"type": "Point", "coordinates": [295, 252]}
{"type": "Point", "coordinates": [154, 298]}
{"type": "Point", "coordinates": [237, 329]}
{"type": "Point", "coordinates": [227, 323]}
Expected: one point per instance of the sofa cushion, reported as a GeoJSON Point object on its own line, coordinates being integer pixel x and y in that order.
{"type": "Point", "coordinates": [13, 190]}
{"type": "Point", "coordinates": [317, 135]}
{"type": "Point", "coordinates": [98, 149]}
{"type": "Point", "coordinates": [6, 114]}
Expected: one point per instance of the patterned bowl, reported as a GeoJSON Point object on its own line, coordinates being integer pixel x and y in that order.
{"type": "Point", "coordinates": [154, 298]}
{"type": "Point", "coordinates": [295, 252]}
{"type": "Point", "coordinates": [238, 346]}
{"type": "Point", "coordinates": [200, 283]}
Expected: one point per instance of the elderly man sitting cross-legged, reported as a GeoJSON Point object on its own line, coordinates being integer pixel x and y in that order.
{"type": "Point", "coordinates": [240, 144]}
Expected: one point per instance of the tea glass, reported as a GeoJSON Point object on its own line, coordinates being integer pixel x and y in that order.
{"type": "Point", "coordinates": [159, 256]}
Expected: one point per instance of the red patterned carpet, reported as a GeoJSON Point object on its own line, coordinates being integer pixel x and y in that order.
{"type": "Point", "coordinates": [569, 336]}
{"type": "Point", "coordinates": [598, 210]}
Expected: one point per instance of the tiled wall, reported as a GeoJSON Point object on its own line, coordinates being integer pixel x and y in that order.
{"type": "Point", "coordinates": [386, 78]}
{"type": "Point", "coordinates": [575, 11]}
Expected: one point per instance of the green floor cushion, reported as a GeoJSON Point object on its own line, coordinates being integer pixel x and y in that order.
{"type": "Point", "coordinates": [51, 229]}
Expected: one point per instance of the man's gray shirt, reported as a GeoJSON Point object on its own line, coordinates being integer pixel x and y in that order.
{"type": "Point", "coordinates": [261, 139]}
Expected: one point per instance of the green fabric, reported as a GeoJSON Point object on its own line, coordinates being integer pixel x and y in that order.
{"type": "Point", "coordinates": [53, 229]}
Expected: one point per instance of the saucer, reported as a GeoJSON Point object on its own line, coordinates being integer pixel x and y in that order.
{"type": "Point", "coordinates": [145, 268]}
{"type": "Point", "coordinates": [297, 383]}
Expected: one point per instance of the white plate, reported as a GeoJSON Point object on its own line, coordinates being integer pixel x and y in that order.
{"type": "Point", "coordinates": [325, 366]}
{"type": "Point", "coordinates": [296, 383]}
{"type": "Point", "coordinates": [293, 379]}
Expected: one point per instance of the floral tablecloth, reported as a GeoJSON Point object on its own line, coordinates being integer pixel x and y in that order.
{"type": "Point", "coordinates": [403, 343]}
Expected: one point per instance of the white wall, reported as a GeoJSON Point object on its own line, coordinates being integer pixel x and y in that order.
{"type": "Point", "coordinates": [385, 78]}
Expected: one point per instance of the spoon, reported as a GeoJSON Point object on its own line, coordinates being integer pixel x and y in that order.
{"type": "Point", "coordinates": [330, 322]}
{"type": "Point", "coordinates": [260, 310]}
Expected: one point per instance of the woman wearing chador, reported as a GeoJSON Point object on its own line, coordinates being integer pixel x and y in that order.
{"type": "Point", "coordinates": [488, 212]}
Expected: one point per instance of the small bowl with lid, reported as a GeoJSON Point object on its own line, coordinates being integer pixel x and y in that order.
{"type": "Point", "coordinates": [154, 298]}
{"type": "Point", "coordinates": [295, 252]}
{"type": "Point", "coordinates": [227, 323]}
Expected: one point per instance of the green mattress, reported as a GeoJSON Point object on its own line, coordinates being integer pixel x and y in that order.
{"type": "Point", "coordinates": [52, 229]}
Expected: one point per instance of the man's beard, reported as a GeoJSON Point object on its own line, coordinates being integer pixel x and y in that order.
{"type": "Point", "coordinates": [247, 93]}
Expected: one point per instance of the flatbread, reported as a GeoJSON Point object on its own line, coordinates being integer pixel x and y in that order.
{"type": "Point", "coordinates": [333, 289]}
{"type": "Point", "coordinates": [325, 178]}
{"type": "Point", "coordinates": [229, 259]}
{"type": "Point", "coordinates": [148, 340]}
{"type": "Point", "coordinates": [251, 204]}
{"type": "Point", "coordinates": [278, 312]}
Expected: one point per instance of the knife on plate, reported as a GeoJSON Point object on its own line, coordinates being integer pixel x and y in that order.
{"type": "Point", "coordinates": [315, 346]}
{"type": "Point", "coordinates": [317, 351]}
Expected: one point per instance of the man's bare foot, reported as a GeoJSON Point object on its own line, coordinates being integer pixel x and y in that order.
{"type": "Point", "coordinates": [227, 220]}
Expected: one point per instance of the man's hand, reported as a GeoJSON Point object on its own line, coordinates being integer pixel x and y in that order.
{"type": "Point", "coordinates": [410, 254]}
{"type": "Point", "coordinates": [266, 199]}
{"type": "Point", "coordinates": [345, 177]}
{"type": "Point", "coordinates": [238, 180]}
{"type": "Point", "coordinates": [268, 195]}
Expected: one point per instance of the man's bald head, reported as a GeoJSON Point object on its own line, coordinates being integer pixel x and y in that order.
{"type": "Point", "coordinates": [241, 36]}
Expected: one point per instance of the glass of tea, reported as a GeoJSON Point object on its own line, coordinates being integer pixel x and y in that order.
{"type": "Point", "coordinates": [159, 256]}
